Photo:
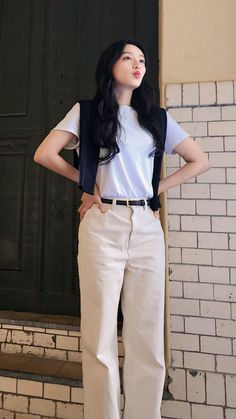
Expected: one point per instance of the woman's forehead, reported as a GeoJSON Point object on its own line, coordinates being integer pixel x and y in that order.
{"type": "Point", "coordinates": [132, 49]}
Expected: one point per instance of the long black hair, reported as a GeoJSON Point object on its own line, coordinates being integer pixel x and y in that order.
{"type": "Point", "coordinates": [143, 101]}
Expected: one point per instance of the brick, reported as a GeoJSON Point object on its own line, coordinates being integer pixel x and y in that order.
{"type": "Point", "coordinates": [176, 358]}
{"type": "Point", "coordinates": [231, 175]}
{"type": "Point", "coordinates": [215, 389]}
{"type": "Point", "coordinates": [232, 241]}
{"type": "Point", "coordinates": [177, 387]}
{"type": "Point", "coordinates": [77, 395]}
{"type": "Point", "coordinates": [207, 91]}
{"type": "Point", "coordinates": [67, 342]}
{"type": "Point", "coordinates": [221, 128]}
{"type": "Point", "coordinates": [181, 206]}
{"type": "Point", "coordinates": [213, 240]}
{"type": "Point", "coordinates": [195, 222]}
{"type": "Point", "coordinates": [181, 114]}
{"type": "Point", "coordinates": [210, 143]}
{"type": "Point", "coordinates": [215, 175]}
{"type": "Point", "coordinates": [200, 291]}
{"type": "Point", "coordinates": [56, 353]}
{"type": "Point", "coordinates": [196, 256]}
{"type": "Point", "coordinates": [6, 415]}
{"type": "Point", "coordinates": [196, 386]}
{"type": "Point", "coordinates": [177, 324]}
{"type": "Point", "coordinates": [28, 416]}
{"type": "Point", "coordinates": [182, 239]}
{"type": "Point", "coordinates": [226, 328]}
{"type": "Point", "coordinates": [175, 289]}
{"type": "Point", "coordinates": [225, 293]}
{"type": "Point", "coordinates": [206, 113]}
{"type": "Point", "coordinates": [174, 223]}
{"type": "Point", "coordinates": [184, 307]}
{"type": "Point", "coordinates": [34, 329]}
{"type": "Point", "coordinates": [12, 326]}
{"type": "Point", "coordinates": [184, 341]}
{"type": "Point", "coordinates": [16, 403]}
{"type": "Point", "coordinates": [224, 257]}
{"type": "Point", "coordinates": [200, 325]}
{"type": "Point", "coordinates": [233, 276]}
{"type": "Point", "coordinates": [215, 309]}
{"type": "Point", "coordinates": [230, 390]}
{"type": "Point", "coordinates": [225, 92]}
{"type": "Point", "coordinates": [211, 207]}
{"type": "Point", "coordinates": [233, 311]}
{"type": "Point", "coordinates": [22, 337]}
{"type": "Point", "coordinates": [10, 348]}
{"type": "Point", "coordinates": [226, 364]}
{"type": "Point", "coordinates": [3, 335]}
{"type": "Point", "coordinates": [229, 112]}
{"type": "Point", "coordinates": [190, 94]}
{"type": "Point", "coordinates": [45, 340]}
{"type": "Point", "coordinates": [222, 159]}
{"type": "Point", "coordinates": [174, 255]}
{"type": "Point", "coordinates": [56, 391]}
{"type": "Point", "coordinates": [8, 385]}
{"type": "Point", "coordinates": [196, 129]}
{"type": "Point", "coordinates": [42, 407]}
{"type": "Point", "coordinates": [183, 272]}
{"type": "Point", "coordinates": [174, 192]}
{"type": "Point", "coordinates": [172, 160]}
{"type": "Point", "coordinates": [224, 224]}
{"type": "Point", "coordinates": [74, 333]}
{"type": "Point", "coordinates": [207, 412]}
{"type": "Point", "coordinates": [57, 332]}
{"type": "Point", "coordinates": [195, 191]}
{"type": "Point", "coordinates": [199, 361]}
{"type": "Point", "coordinates": [230, 413]}
{"type": "Point", "coordinates": [230, 143]}
{"type": "Point", "coordinates": [173, 95]}
{"type": "Point", "coordinates": [175, 409]}
{"type": "Point", "coordinates": [69, 410]}
{"type": "Point", "coordinates": [231, 207]}
{"type": "Point", "coordinates": [28, 387]}
{"type": "Point", "coordinates": [213, 274]}
{"type": "Point", "coordinates": [215, 345]}
{"type": "Point", "coordinates": [34, 350]}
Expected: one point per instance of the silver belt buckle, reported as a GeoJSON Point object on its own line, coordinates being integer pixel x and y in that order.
{"type": "Point", "coordinates": [127, 203]}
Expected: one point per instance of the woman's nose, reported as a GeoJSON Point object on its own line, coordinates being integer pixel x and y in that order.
{"type": "Point", "coordinates": [136, 64]}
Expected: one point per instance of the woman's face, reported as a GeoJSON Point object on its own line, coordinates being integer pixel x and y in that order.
{"type": "Point", "coordinates": [129, 69]}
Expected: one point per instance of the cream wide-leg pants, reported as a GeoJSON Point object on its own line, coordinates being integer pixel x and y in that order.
{"type": "Point", "coordinates": [121, 253]}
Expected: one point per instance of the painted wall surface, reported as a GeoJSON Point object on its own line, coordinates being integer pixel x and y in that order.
{"type": "Point", "coordinates": [197, 40]}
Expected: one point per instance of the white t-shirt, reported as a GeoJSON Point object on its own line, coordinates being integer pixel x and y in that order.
{"type": "Point", "coordinates": [129, 174]}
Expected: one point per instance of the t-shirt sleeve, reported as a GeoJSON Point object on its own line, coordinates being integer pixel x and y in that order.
{"type": "Point", "coordinates": [71, 123]}
{"type": "Point", "coordinates": [174, 135]}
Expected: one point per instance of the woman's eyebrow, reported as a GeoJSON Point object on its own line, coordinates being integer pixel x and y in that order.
{"type": "Point", "coordinates": [129, 52]}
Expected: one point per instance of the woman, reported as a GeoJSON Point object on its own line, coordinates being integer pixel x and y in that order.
{"type": "Point", "coordinates": [120, 137]}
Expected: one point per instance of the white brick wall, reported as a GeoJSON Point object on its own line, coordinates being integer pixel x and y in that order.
{"type": "Point", "coordinates": [202, 256]}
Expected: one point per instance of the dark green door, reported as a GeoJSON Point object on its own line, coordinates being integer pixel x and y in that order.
{"type": "Point", "coordinates": [49, 50]}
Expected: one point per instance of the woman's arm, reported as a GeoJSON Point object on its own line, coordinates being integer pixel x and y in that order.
{"type": "Point", "coordinates": [196, 163]}
{"type": "Point", "coordinates": [47, 154]}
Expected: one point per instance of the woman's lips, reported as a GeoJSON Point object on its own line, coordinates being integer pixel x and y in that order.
{"type": "Point", "coordinates": [137, 74]}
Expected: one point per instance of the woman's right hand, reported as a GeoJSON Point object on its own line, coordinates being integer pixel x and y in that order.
{"type": "Point", "coordinates": [89, 200]}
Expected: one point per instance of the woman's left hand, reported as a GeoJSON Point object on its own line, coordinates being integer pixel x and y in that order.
{"type": "Point", "coordinates": [157, 214]}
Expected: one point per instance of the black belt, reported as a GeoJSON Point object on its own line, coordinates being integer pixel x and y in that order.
{"type": "Point", "coordinates": [126, 201]}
